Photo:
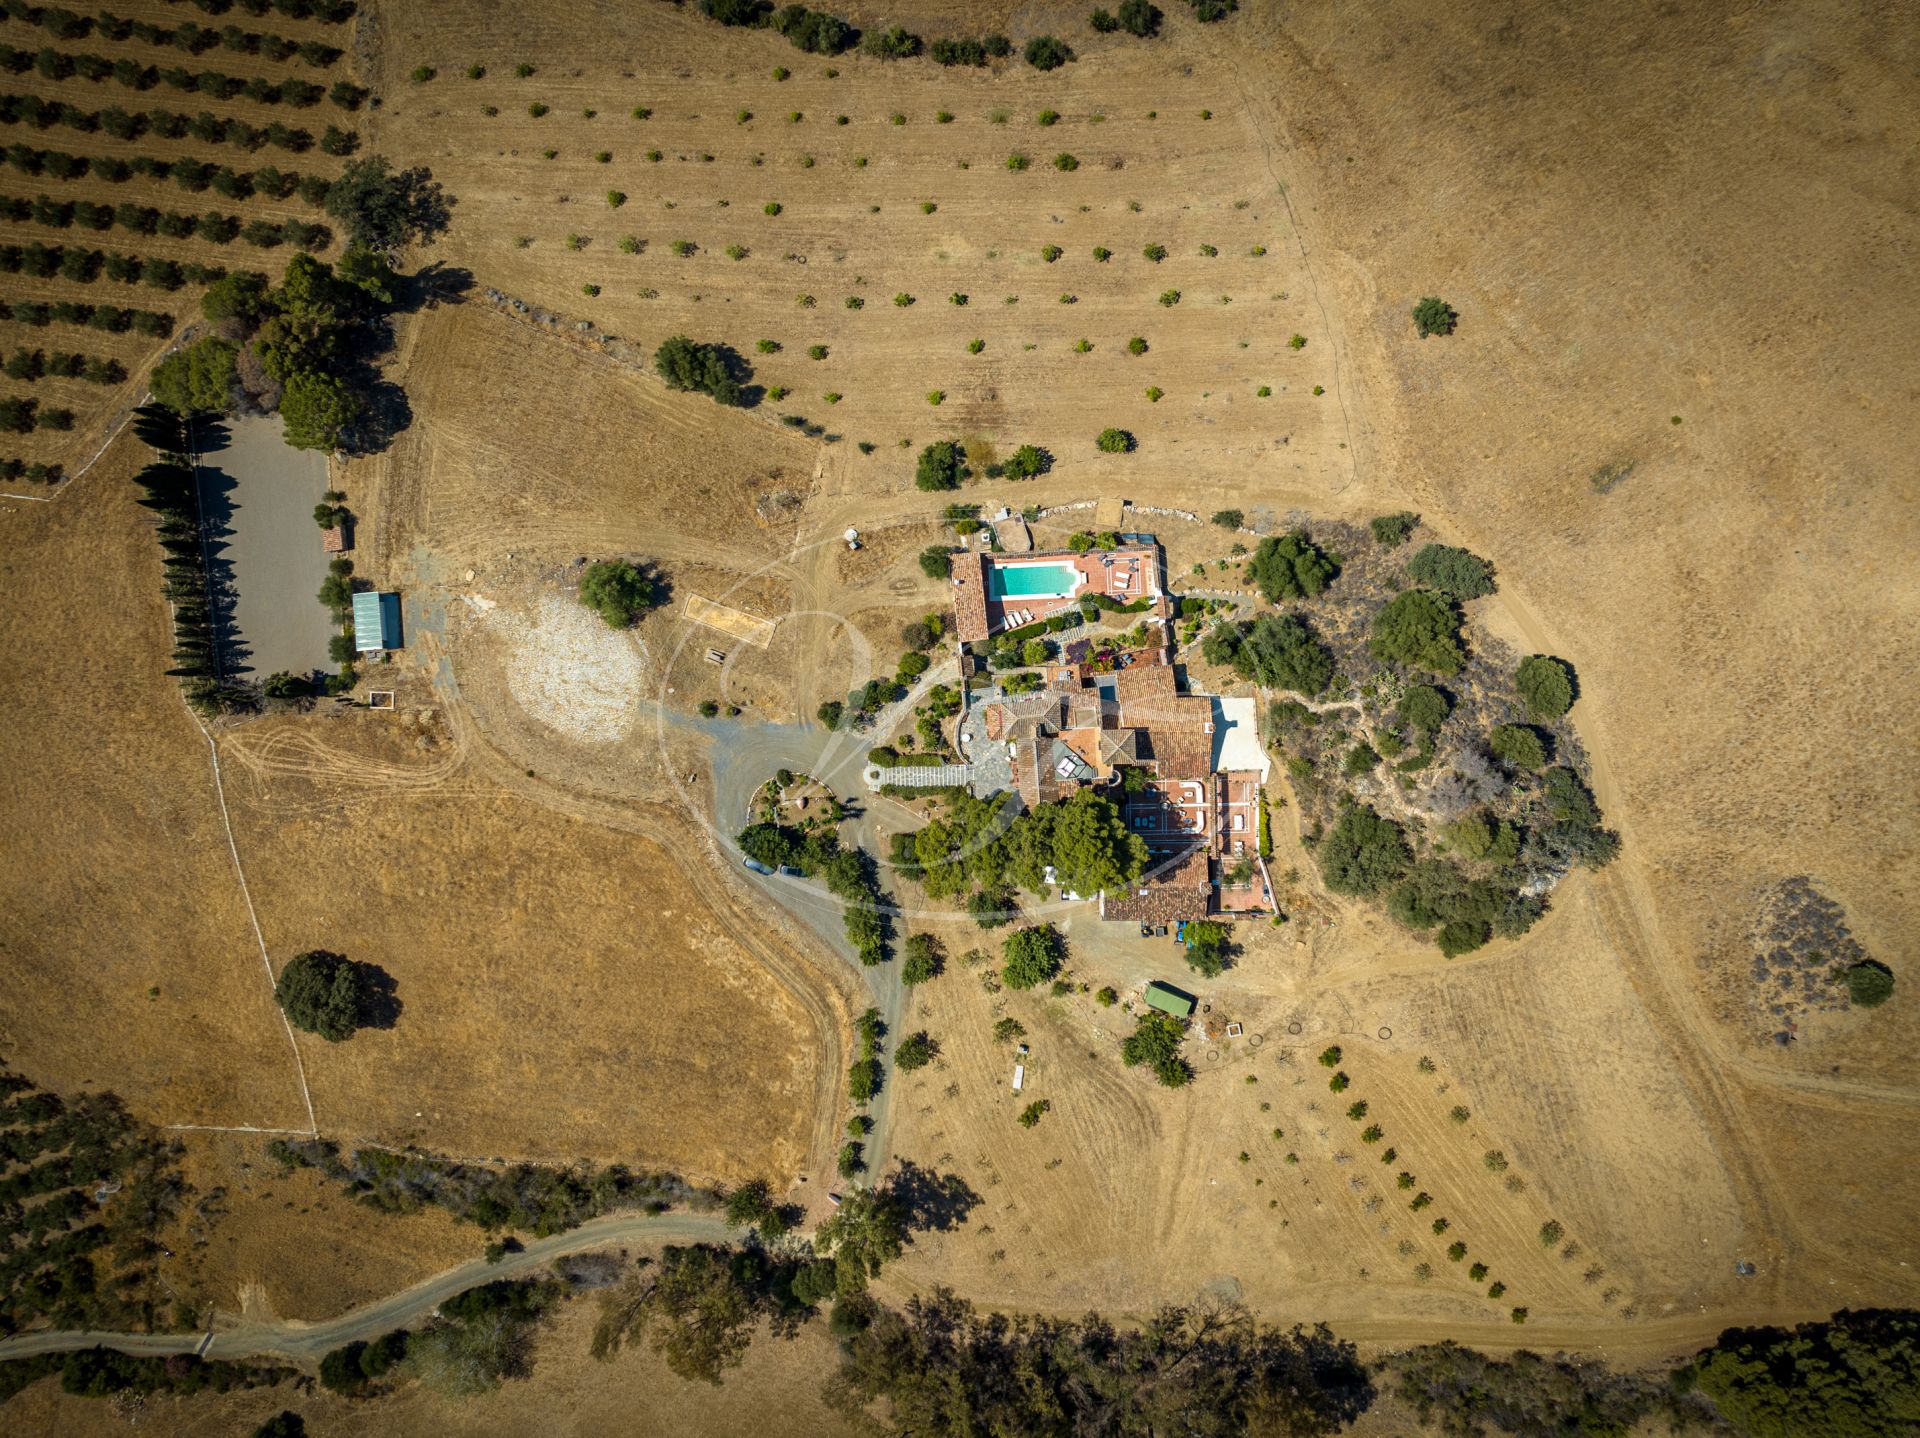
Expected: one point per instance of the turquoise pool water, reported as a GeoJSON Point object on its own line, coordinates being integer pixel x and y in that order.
{"type": "Point", "coordinates": [1032, 581]}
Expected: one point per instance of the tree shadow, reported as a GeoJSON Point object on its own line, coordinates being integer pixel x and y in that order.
{"type": "Point", "coordinates": [933, 1202]}
{"type": "Point", "coordinates": [386, 416]}
{"type": "Point", "coordinates": [427, 206]}
{"type": "Point", "coordinates": [214, 489]}
{"type": "Point", "coordinates": [432, 286]}
{"type": "Point", "coordinates": [380, 1005]}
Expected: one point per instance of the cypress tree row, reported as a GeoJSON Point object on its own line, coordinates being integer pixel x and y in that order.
{"type": "Point", "coordinates": [170, 493]}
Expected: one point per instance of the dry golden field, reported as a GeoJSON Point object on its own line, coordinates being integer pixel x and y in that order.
{"type": "Point", "coordinates": [1681, 248]}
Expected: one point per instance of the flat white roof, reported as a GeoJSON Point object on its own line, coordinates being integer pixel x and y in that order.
{"type": "Point", "coordinates": [1236, 737]}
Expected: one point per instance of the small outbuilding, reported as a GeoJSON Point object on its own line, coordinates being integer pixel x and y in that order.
{"type": "Point", "coordinates": [376, 622]}
{"type": "Point", "coordinates": [1169, 1000]}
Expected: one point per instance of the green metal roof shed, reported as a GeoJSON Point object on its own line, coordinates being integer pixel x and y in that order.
{"type": "Point", "coordinates": [376, 622]}
{"type": "Point", "coordinates": [1170, 1000]}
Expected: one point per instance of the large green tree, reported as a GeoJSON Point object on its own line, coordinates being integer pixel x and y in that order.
{"type": "Point", "coordinates": [942, 466]}
{"type": "Point", "coordinates": [707, 368]}
{"type": "Point", "coordinates": [1087, 843]}
{"type": "Point", "coordinates": [1032, 956]}
{"type": "Point", "coordinates": [617, 591]}
{"type": "Point", "coordinates": [382, 208]}
{"type": "Point", "coordinates": [1155, 1042]}
{"type": "Point", "coordinates": [1277, 650]}
{"type": "Point", "coordinates": [1362, 853]}
{"type": "Point", "coordinates": [1419, 629]}
{"type": "Point", "coordinates": [316, 409]}
{"type": "Point", "coordinates": [324, 993]}
{"type": "Point", "coordinates": [1546, 684]}
{"type": "Point", "coordinates": [867, 1231]}
{"type": "Point", "coordinates": [198, 379]}
{"type": "Point", "coordinates": [1290, 566]}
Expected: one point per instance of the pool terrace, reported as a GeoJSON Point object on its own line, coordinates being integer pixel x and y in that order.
{"type": "Point", "coordinates": [997, 592]}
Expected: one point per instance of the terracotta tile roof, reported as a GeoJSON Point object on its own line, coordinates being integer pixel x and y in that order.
{"type": "Point", "coordinates": [334, 541]}
{"type": "Point", "coordinates": [969, 597]}
{"type": "Point", "coordinates": [1180, 755]}
{"type": "Point", "coordinates": [1179, 890]}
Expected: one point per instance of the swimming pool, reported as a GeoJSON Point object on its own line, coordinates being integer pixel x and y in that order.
{"type": "Point", "coordinates": [1031, 581]}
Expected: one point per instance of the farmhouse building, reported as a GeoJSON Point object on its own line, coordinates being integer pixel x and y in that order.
{"type": "Point", "coordinates": [1184, 769]}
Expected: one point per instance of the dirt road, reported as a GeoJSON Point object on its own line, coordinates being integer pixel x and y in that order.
{"type": "Point", "coordinates": [306, 1342]}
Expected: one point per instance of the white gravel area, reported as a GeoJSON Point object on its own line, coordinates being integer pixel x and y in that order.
{"type": "Point", "coordinates": [574, 674]}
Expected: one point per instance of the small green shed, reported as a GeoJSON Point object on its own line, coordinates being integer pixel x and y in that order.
{"type": "Point", "coordinates": [1169, 1000]}
{"type": "Point", "coordinates": [376, 622]}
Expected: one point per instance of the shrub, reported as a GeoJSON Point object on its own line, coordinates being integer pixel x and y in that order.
{"type": "Point", "coordinates": [895, 43]}
{"type": "Point", "coordinates": [936, 397]}
{"type": "Point", "coordinates": [936, 561]}
{"type": "Point", "coordinates": [903, 300]}
{"type": "Point", "coordinates": [1339, 1083]}
{"type": "Point", "coordinates": [1330, 1057]}
{"type": "Point", "coordinates": [1107, 997]}
{"type": "Point", "coordinates": [536, 109]}
{"type": "Point", "coordinates": [1083, 346]}
{"type": "Point", "coordinates": [1546, 684]}
{"type": "Point", "coordinates": [1050, 253]}
{"type": "Point", "coordinates": [422, 73]}
{"type": "Point", "coordinates": [1045, 52]}
{"type": "Point", "coordinates": [1114, 441]}
{"type": "Point", "coordinates": [1419, 629]}
{"type": "Point", "coordinates": [1390, 531]}
{"type": "Point", "coordinates": [1032, 956]}
{"type": "Point", "coordinates": [1154, 392]}
{"type": "Point", "coordinates": [617, 591]}
{"type": "Point", "coordinates": [1433, 316]}
{"type": "Point", "coordinates": [1170, 298]}
{"type": "Point", "coordinates": [616, 198]}
{"type": "Point", "coordinates": [1018, 161]}
{"type": "Point", "coordinates": [1155, 253]}
{"type": "Point", "coordinates": [975, 346]}
{"type": "Point", "coordinates": [1103, 22]}
{"type": "Point", "coordinates": [1869, 983]}
{"type": "Point", "coordinates": [1452, 571]}
{"type": "Point", "coordinates": [1551, 1233]}
{"type": "Point", "coordinates": [1518, 747]}
{"type": "Point", "coordinates": [1140, 18]}
{"type": "Point", "coordinates": [1064, 161]}
{"type": "Point", "coordinates": [922, 960]}
{"type": "Point", "coordinates": [916, 1051]}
